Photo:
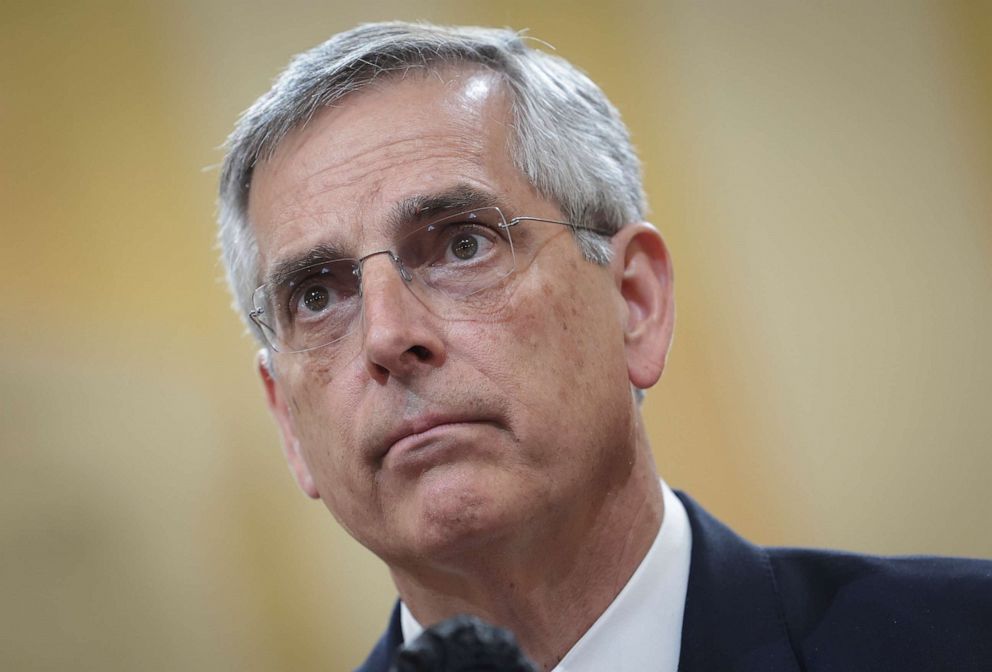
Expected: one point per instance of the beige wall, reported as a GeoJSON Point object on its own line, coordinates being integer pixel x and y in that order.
{"type": "Point", "coordinates": [821, 172]}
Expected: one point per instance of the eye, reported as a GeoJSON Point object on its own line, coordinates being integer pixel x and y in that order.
{"type": "Point", "coordinates": [469, 243]}
{"type": "Point", "coordinates": [313, 297]}
{"type": "Point", "coordinates": [458, 243]}
{"type": "Point", "coordinates": [464, 245]}
{"type": "Point", "coordinates": [320, 290]}
{"type": "Point", "coordinates": [316, 298]}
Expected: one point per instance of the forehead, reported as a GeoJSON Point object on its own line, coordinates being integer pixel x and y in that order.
{"type": "Point", "coordinates": [406, 137]}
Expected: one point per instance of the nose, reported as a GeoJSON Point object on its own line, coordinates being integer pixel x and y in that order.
{"type": "Point", "coordinates": [401, 336]}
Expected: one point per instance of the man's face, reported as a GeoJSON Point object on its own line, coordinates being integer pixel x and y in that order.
{"type": "Point", "coordinates": [429, 437]}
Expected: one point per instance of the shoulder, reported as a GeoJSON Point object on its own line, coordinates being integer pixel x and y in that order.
{"type": "Point", "coordinates": [833, 610]}
{"type": "Point", "coordinates": [925, 611]}
{"type": "Point", "coordinates": [909, 581]}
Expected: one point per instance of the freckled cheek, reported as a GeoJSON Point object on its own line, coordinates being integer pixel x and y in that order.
{"type": "Point", "coordinates": [316, 415]}
{"type": "Point", "coordinates": [589, 338]}
{"type": "Point", "coordinates": [540, 340]}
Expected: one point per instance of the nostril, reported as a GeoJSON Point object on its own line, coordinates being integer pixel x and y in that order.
{"type": "Point", "coordinates": [379, 372]}
{"type": "Point", "coordinates": [420, 352]}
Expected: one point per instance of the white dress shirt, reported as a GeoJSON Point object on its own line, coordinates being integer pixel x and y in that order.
{"type": "Point", "coordinates": [642, 627]}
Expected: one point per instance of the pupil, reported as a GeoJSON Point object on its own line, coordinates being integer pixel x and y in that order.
{"type": "Point", "coordinates": [465, 247]}
{"type": "Point", "coordinates": [316, 298]}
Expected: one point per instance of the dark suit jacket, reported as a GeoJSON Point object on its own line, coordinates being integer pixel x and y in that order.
{"type": "Point", "coordinates": [778, 609]}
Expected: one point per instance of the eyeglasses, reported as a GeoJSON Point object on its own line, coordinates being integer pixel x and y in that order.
{"type": "Point", "coordinates": [457, 266]}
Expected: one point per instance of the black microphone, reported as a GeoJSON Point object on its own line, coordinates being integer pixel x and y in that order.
{"type": "Point", "coordinates": [462, 644]}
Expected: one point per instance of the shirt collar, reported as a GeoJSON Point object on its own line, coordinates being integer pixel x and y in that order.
{"type": "Point", "coordinates": [642, 627]}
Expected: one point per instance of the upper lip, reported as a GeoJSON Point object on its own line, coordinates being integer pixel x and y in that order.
{"type": "Point", "coordinates": [421, 424]}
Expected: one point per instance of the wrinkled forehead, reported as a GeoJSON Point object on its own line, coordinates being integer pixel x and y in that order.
{"type": "Point", "coordinates": [345, 176]}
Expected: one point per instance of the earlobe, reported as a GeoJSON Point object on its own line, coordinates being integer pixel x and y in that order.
{"type": "Point", "coordinates": [291, 444]}
{"type": "Point", "coordinates": [643, 271]}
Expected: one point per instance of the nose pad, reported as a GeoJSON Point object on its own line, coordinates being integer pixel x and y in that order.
{"type": "Point", "coordinates": [382, 283]}
{"type": "Point", "coordinates": [401, 269]}
{"type": "Point", "coordinates": [397, 263]}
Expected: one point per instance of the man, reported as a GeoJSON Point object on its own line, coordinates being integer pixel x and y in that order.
{"type": "Point", "coordinates": [438, 236]}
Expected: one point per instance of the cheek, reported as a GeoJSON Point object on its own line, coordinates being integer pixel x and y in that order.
{"type": "Point", "coordinates": [557, 349]}
{"type": "Point", "coordinates": [305, 388]}
{"type": "Point", "coordinates": [324, 419]}
{"type": "Point", "coordinates": [321, 430]}
{"type": "Point", "coordinates": [573, 329]}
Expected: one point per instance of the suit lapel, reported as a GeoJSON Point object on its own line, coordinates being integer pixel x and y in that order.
{"type": "Point", "coordinates": [733, 616]}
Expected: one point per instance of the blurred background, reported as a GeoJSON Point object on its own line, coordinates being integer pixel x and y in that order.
{"type": "Point", "coordinates": [821, 171]}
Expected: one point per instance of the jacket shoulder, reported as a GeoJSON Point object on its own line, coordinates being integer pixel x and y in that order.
{"type": "Point", "coordinates": [899, 613]}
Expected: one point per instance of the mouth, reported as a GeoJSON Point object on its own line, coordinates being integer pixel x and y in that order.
{"type": "Point", "coordinates": [413, 433]}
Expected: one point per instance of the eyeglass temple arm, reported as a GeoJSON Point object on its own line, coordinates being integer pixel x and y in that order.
{"type": "Point", "coordinates": [525, 218]}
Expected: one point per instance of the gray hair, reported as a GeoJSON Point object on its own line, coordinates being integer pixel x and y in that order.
{"type": "Point", "coordinates": [568, 138]}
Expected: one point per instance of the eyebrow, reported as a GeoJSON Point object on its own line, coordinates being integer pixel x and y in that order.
{"type": "Point", "coordinates": [428, 206]}
{"type": "Point", "coordinates": [410, 211]}
{"type": "Point", "coordinates": [284, 270]}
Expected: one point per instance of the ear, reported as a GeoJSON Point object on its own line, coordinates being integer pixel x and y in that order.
{"type": "Point", "coordinates": [643, 272]}
{"type": "Point", "coordinates": [290, 443]}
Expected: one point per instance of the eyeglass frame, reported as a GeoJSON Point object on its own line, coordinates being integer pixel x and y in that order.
{"type": "Point", "coordinates": [506, 224]}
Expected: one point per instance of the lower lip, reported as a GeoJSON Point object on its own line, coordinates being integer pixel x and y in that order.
{"type": "Point", "coordinates": [431, 445]}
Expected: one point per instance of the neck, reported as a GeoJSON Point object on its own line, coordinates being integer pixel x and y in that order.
{"type": "Point", "coordinates": [549, 588]}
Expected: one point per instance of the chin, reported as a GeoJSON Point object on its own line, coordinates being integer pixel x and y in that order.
{"type": "Point", "coordinates": [455, 512]}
